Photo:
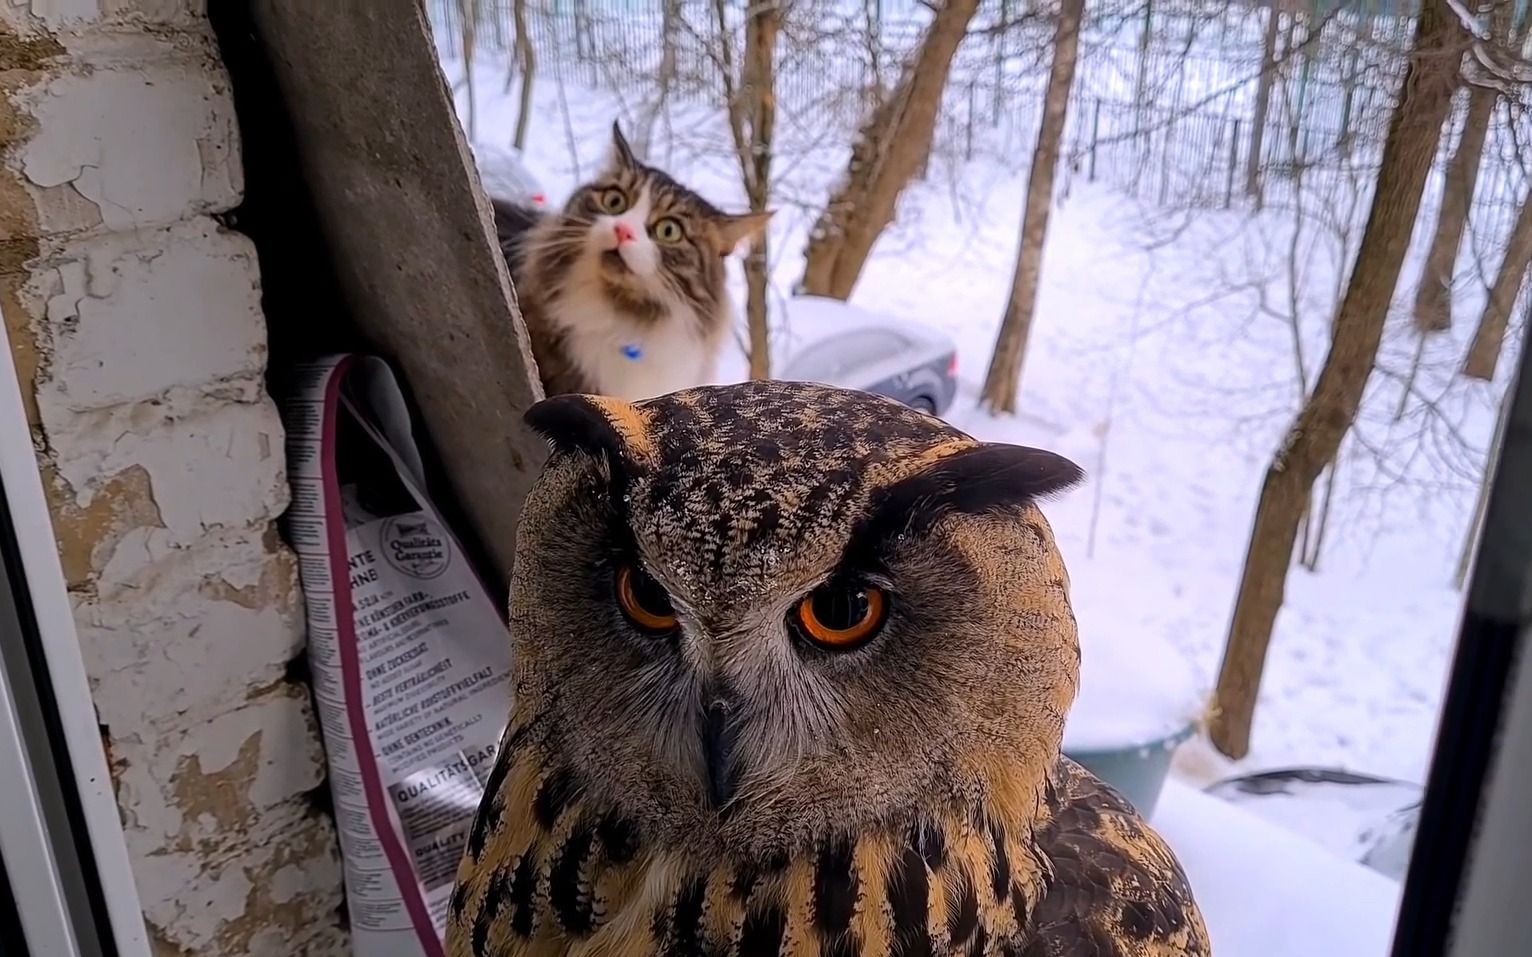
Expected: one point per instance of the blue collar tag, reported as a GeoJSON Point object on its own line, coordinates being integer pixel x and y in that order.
{"type": "Point", "coordinates": [632, 351]}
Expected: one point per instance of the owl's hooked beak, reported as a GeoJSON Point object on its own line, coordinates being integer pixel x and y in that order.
{"type": "Point", "coordinates": [720, 734]}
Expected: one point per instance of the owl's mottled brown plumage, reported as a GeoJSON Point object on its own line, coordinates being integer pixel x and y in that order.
{"type": "Point", "coordinates": [906, 798]}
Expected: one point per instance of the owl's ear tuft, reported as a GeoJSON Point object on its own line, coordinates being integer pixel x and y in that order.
{"type": "Point", "coordinates": [594, 425]}
{"type": "Point", "coordinates": [974, 481]}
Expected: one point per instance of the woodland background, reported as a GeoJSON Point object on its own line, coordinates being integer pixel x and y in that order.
{"type": "Point", "coordinates": [1258, 267]}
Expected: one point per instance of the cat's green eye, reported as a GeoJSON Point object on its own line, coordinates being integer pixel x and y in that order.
{"type": "Point", "coordinates": [613, 200]}
{"type": "Point", "coordinates": [668, 230]}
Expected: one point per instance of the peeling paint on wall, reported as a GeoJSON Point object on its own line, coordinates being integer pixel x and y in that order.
{"type": "Point", "coordinates": [134, 319]}
{"type": "Point", "coordinates": [21, 61]}
{"type": "Point", "coordinates": [132, 99]}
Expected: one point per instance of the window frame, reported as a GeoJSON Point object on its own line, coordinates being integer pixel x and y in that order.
{"type": "Point", "coordinates": [62, 848]}
{"type": "Point", "coordinates": [1472, 851]}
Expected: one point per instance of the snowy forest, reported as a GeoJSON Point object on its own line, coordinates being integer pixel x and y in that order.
{"type": "Point", "coordinates": [1257, 267]}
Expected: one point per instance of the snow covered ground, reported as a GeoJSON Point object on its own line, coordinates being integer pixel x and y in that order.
{"type": "Point", "coordinates": [1265, 893]}
{"type": "Point", "coordinates": [1153, 367]}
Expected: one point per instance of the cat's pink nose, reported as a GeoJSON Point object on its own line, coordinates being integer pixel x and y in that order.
{"type": "Point", "coordinates": [624, 232]}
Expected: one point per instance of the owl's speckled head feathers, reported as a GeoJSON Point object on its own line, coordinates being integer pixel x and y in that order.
{"type": "Point", "coordinates": [747, 617]}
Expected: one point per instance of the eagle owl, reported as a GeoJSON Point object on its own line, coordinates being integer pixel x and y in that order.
{"type": "Point", "coordinates": [791, 671]}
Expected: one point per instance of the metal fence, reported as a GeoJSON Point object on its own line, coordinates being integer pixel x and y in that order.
{"type": "Point", "coordinates": [1163, 105]}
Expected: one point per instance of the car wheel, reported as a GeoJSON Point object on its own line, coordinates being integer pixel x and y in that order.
{"type": "Point", "coordinates": [922, 403]}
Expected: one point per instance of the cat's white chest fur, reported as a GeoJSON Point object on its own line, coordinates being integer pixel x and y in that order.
{"type": "Point", "coordinates": [671, 353]}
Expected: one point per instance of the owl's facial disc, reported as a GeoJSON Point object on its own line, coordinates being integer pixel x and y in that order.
{"type": "Point", "coordinates": [750, 614]}
{"type": "Point", "coordinates": [763, 687]}
{"type": "Point", "coordinates": [647, 607]}
{"type": "Point", "coordinates": [839, 616]}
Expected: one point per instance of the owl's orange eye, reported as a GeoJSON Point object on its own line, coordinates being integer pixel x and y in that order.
{"type": "Point", "coordinates": [841, 617]}
{"type": "Point", "coordinates": [643, 600]}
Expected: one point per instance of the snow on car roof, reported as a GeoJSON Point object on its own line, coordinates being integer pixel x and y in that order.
{"type": "Point", "coordinates": [813, 319]}
{"type": "Point", "coordinates": [504, 173]}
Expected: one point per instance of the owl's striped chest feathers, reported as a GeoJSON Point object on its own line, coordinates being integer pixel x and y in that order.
{"type": "Point", "coordinates": [547, 872]}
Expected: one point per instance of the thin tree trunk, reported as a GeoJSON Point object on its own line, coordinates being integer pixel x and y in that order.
{"type": "Point", "coordinates": [1295, 328]}
{"type": "Point", "coordinates": [1433, 297]}
{"type": "Point", "coordinates": [1263, 86]}
{"type": "Point", "coordinates": [1315, 435]}
{"type": "Point", "coordinates": [528, 69]}
{"type": "Point", "coordinates": [1349, 82]}
{"type": "Point", "coordinates": [756, 312]}
{"type": "Point", "coordinates": [761, 70]}
{"type": "Point", "coordinates": [1003, 380]}
{"type": "Point", "coordinates": [872, 29]}
{"type": "Point", "coordinates": [752, 114]}
{"type": "Point", "coordinates": [1294, 111]}
{"type": "Point", "coordinates": [1484, 351]}
{"type": "Point", "coordinates": [1410, 377]}
{"type": "Point", "coordinates": [1141, 83]}
{"type": "Point", "coordinates": [670, 24]}
{"type": "Point", "coordinates": [585, 44]}
{"type": "Point", "coordinates": [889, 150]}
{"type": "Point", "coordinates": [1315, 530]}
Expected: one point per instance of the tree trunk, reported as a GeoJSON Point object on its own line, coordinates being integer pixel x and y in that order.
{"type": "Point", "coordinates": [756, 312]}
{"type": "Point", "coordinates": [1408, 388]}
{"type": "Point", "coordinates": [1004, 377]}
{"type": "Point", "coordinates": [872, 34]}
{"type": "Point", "coordinates": [1484, 350]}
{"type": "Point", "coordinates": [498, 23]}
{"type": "Point", "coordinates": [1263, 86]}
{"type": "Point", "coordinates": [752, 112]}
{"type": "Point", "coordinates": [1141, 83]}
{"type": "Point", "coordinates": [528, 68]}
{"type": "Point", "coordinates": [1315, 435]}
{"type": "Point", "coordinates": [670, 24]}
{"type": "Point", "coordinates": [888, 151]}
{"type": "Point", "coordinates": [585, 43]}
{"type": "Point", "coordinates": [1290, 46]}
{"type": "Point", "coordinates": [1349, 84]}
{"type": "Point", "coordinates": [1433, 298]}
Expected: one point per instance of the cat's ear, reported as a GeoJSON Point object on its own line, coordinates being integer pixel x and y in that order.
{"type": "Point", "coordinates": [620, 156]}
{"type": "Point", "coordinates": [735, 229]}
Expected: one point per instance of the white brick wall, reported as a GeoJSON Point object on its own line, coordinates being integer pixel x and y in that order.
{"type": "Point", "coordinates": [135, 322]}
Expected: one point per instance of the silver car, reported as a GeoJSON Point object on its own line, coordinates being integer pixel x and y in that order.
{"type": "Point", "coordinates": [503, 171]}
{"type": "Point", "coordinates": [846, 346]}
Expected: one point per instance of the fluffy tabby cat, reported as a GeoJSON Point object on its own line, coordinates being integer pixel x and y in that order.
{"type": "Point", "coordinates": [623, 291]}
